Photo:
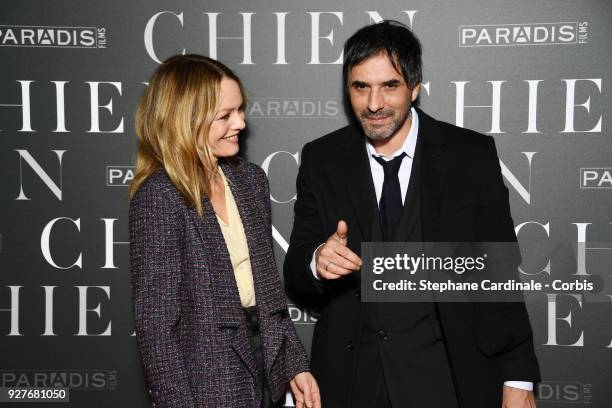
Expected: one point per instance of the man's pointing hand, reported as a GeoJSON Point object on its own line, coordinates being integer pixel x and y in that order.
{"type": "Point", "coordinates": [334, 259]}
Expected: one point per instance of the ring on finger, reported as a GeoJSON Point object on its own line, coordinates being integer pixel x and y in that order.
{"type": "Point", "coordinates": [328, 263]}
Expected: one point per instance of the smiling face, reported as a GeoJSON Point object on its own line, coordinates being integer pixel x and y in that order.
{"type": "Point", "coordinates": [381, 98]}
{"type": "Point", "coordinates": [227, 123]}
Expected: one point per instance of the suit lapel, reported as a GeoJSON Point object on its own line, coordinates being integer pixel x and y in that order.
{"type": "Point", "coordinates": [359, 185]}
{"type": "Point", "coordinates": [432, 171]}
{"type": "Point", "coordinates": [270, 302]}
{"type": "Point", "coordinates": [252, 215]}
{"type": "Point", "coordinates": [412, 201]}
{"type": "Point", "coordinates": [226, 300]}
{"type": "Point", "coordinates": [225, 291]}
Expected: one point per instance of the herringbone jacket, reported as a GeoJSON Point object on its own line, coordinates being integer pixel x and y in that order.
{"type": "Point", "coordinates": [190, 326]}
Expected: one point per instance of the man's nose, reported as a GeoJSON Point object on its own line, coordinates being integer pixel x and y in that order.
{"type": "Point", "coordinates": [376, 100]}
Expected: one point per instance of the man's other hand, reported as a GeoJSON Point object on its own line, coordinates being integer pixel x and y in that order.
{"type": "Point", "coordinates": [517, 398]}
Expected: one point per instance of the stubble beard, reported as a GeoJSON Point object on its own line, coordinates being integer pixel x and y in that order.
{"type": "Point", "coordinates": [378, 133]}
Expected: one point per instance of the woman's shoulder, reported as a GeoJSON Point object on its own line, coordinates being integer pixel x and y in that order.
{"type": "Point", "coordinates": [243, 170]}
{"type": "Point", "coordinates": [157, 186]}
{"type": "Point", "coordinates": [249, 168]}
{"type": "Point", "coordinates": [156, 204]}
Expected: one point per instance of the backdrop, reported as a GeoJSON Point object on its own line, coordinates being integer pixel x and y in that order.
{"type": "Point", "coordinates": [535, 75]}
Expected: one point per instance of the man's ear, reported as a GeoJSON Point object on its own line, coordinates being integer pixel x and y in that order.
{"type": "Point", "coordinates": [415, 91]}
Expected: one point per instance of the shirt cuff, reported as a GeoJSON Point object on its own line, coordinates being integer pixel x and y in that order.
{"type": "Point", "coordinates": [313, 263]}
{"type": "Point", "coordinates": [522, 385]}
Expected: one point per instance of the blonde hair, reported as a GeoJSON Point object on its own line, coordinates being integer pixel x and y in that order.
{"type": "Point", "coordinates": [179, 103]}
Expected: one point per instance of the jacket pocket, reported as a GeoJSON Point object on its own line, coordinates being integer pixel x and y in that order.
{"type": "Point", "coordinates": [498, 332]}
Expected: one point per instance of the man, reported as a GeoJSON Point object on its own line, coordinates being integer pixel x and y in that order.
{"type": "Point", "coordinates": [399, 175]}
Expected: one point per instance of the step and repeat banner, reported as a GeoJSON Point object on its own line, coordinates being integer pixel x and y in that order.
{"type": "Point", "coordinates": [534, 75]}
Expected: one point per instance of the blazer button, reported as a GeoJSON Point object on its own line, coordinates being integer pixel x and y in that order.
{"type": "Point", "coordinates": [350, 346]}
{"type": "Point", "coordinates": [383, 334]}
{"type": "Point", "coordinates": [358, 294]}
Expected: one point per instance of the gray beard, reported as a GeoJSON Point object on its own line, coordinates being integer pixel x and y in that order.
{"type": "Point", "coordinates": [386, 132]}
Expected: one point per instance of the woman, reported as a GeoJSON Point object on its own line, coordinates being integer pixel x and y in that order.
{"type": "Point", "coordinates": [211, 318]}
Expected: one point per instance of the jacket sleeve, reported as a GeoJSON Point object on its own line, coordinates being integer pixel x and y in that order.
{"type": "Point", "coordinates": [155, 256]}
{"type": "Point", "coordinates": [307, 234]}
{"type": "Point", "coordinates": [504, 327]}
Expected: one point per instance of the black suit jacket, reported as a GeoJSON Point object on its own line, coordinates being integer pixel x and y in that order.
{"type": "Point", "coordinates": [462, 199]}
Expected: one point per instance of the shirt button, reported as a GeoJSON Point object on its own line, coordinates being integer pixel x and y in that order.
{"type": "Point", "coordinates": [383, 334]}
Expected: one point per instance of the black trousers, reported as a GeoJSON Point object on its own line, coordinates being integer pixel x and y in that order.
{"type": "Point", "coordinates": [256, 342]}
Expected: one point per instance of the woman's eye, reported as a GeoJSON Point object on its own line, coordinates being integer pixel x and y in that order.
{"type": "Point", "coordinates": [224, 117]}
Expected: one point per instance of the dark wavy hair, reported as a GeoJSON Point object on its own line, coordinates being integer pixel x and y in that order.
{"type": "Point", "coordinates": [391, 37]}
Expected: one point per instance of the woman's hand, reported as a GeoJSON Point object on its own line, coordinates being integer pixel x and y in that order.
{"type": "Point", "coordinates": [305, 391]}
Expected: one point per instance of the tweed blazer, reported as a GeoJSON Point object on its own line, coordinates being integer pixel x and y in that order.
{"type": "Point", "coordinates": [190, 326]}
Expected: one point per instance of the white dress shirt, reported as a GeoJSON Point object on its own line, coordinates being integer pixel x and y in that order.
{"type": "Point", "coordinates": [378, 177]}
{"type": "Point", "coordinates": [408, 147]}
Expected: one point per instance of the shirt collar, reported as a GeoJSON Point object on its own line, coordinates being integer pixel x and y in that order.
{"type": "Point", "coordinates": [409, 145]}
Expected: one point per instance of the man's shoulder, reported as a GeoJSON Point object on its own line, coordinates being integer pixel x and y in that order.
{"type": "Point", "coordinates": [332, 141]}
{"type": "Point", "coordinates": [466, 138]}
{"type": "Point", "coordinates": [460, 145]}
{"type": "Point", "coordinates": [453, 134]}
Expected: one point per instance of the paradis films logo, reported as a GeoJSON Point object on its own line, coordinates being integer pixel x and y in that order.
{"type": "Point", "coordinates": [52, 36]}
{"type": "Point", "coordinates": [495, 35]}
{"type": "Point", "coordinates": [293, 108]}
{"type": "Point", "coordinates": [75, 379]}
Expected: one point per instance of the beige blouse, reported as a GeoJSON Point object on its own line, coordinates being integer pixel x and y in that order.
{"type": "Point", "coordinates": [236, 242]}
